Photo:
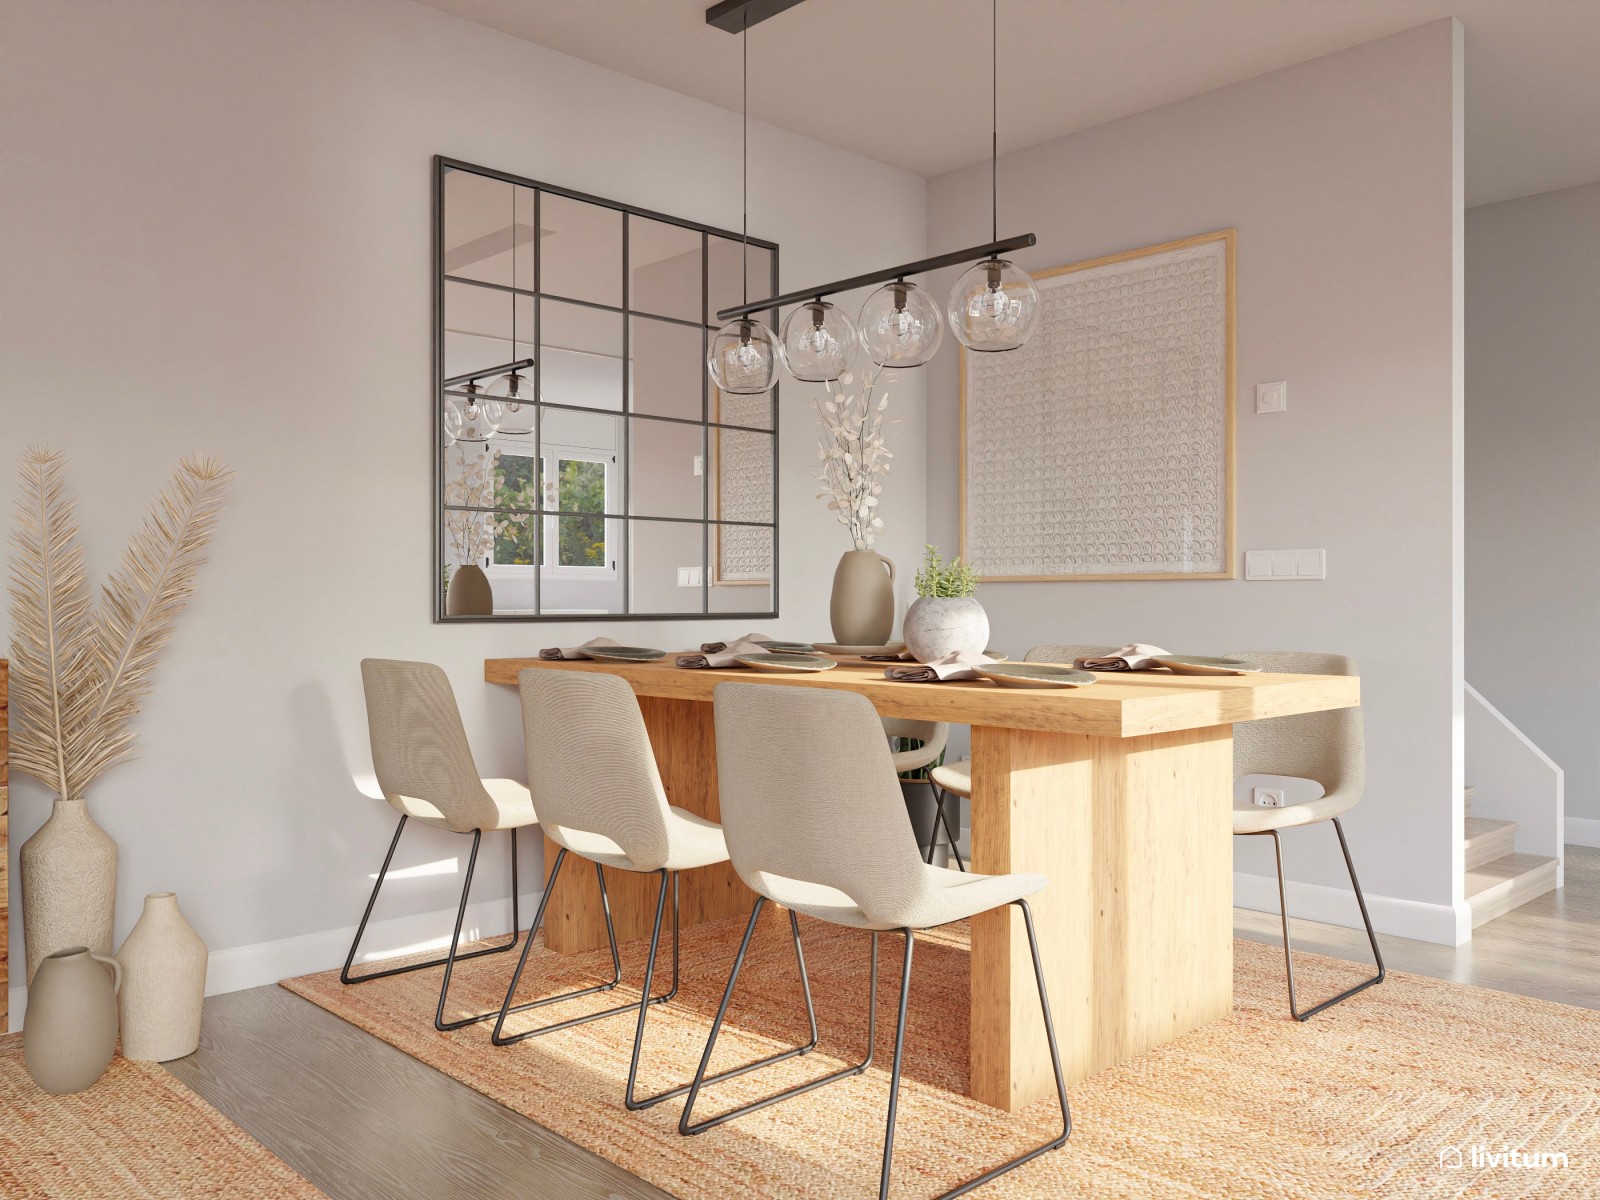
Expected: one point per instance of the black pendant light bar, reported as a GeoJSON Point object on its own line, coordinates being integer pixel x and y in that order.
{"type": "Point", "coordinates": [502, 369]}
{"type": "Point", "coordinates": [954, 258]}
{"type": "Point", "coordinates": [735, 16]}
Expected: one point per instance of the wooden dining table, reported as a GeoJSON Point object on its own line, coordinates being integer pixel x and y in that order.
{"type": "Point", "coordinates": [1120, 792]}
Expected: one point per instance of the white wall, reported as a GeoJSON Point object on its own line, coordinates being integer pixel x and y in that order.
{"type": "Point", "coordinates": [216, 224]}
{"type": "Point", "coordinates": [1533, 476]}
{"type": "Point", "coordinates": [1342, 176]}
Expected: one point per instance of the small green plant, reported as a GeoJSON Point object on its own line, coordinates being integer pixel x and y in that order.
{"type": "Point", "coordinates": [945, 580]}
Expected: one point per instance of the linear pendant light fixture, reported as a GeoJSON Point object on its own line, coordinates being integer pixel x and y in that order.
{"type": "Point", "coordinates": [994, 306]}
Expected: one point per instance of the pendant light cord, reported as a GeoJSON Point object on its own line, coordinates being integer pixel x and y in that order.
{"type": "Point", "coordinates": [994, 118]}
{"type": "Point", "coordinates": [744, 101]}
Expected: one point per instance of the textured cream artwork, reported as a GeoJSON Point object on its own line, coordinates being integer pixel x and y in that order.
{"type": "Point", "coordinates": [1101, 449]}
{"type": "Point", "coordinates": [742, 490]}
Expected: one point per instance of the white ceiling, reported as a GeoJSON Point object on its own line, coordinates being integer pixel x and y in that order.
{"type": "Point", "coordinates": [907, 81]}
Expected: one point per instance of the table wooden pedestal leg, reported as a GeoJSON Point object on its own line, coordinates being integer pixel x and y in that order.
{"type": "Point", "coordinates": [683, 736]}
{"type": "Point", "coordinates": [1136, 927]}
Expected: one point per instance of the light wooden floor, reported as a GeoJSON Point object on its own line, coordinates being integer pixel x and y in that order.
{"type": "Point", "coordinates": [363, 1121]}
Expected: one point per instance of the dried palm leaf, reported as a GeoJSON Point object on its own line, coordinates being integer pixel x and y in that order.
{"type": "Point", "coordinates": [140, 604]}
{"type": "Point", "coordinates": [79, 675]}
{"type": "Point", "coordinates": [54, 672]}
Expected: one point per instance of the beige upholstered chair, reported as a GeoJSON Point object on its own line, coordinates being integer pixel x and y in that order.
{"type": "Point", "coordinates": [955, 778]}
{"type": "Point", "coordinates": [857, 865]}
{"type": "Point", "coordinates": [424, 767]}
{"type": "Point", "coordinates": [933, 736]}
{"type": "Point", "coordinates": [599, 796]}
{"type": "Point", "coordinates": [1324, 746]}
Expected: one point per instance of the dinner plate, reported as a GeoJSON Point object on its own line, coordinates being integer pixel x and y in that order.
{"type": "Point", "coordinates": [1035, 675]}
{"type": "Point", "coordinates": [837, 648]}
{"type": "Point", "coordinates": [792, 663]}
{"type": "Point", "coordinates": [624, 653]}
{"type": "Point", "coordinates": [787, 647]}
{"type": "Point", "coordinates": [1196, 664]}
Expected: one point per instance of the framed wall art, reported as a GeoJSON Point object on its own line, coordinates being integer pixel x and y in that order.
{"type": "Point", "coordinates": [1103, 448]}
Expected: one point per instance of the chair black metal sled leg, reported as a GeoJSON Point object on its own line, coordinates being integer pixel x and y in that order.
{"type": "Point", "coordinates": [449, 960]}
{"type": "Point", "coordinates": [1288, 952]}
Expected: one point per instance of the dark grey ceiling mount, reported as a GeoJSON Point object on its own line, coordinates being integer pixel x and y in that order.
{"type": "Point", "coordinates": [735, 16]}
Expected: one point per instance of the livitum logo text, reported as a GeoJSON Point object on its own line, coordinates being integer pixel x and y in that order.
{"type": "Point", "coordinates": [1479, 1158]}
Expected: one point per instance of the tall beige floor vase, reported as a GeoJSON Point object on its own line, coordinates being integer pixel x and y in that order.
{"type": "Point", "coordinates": [164, 983]}
{"type": "Point", "coordinates": [70, 1031]}
{"type": "Point", "coordinates": [862, 607]}
{"type": "Point", "coordinates": [69, 885]}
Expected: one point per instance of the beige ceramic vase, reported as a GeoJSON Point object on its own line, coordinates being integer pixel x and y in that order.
{"type": "Point", "coordinates": [69, 885]}
{"type": "Point", "coordinates": [862, 608]}
{"type": "Point", "coordinates": [164, 983]}
{"type": "Point", "coordinates": [70, 1031]}
{"type": "Point", "coordinates": [469, 594]}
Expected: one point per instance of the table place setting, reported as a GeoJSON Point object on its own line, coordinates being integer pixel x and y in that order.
{"type": "Point", "coordinates": [1139, 656]}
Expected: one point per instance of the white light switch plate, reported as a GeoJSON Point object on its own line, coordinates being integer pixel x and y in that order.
{"type": "Point", "coordinates": [699, 464]}
{"type": "Point", "coordinates": [1272, 397]}
{"type": "Point", "coordinates": [688, 576]}
{"type": "Point", "coordinates": [1285, 564]}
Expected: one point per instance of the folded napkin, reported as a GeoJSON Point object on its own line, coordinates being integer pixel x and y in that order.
{"type": "Point", "coordinates": [1136, 657]}
{"type": "Point", "coordinates": [726, 657]}
{"type": "Point", "coordinates": [957, 665]}
{"type": "Point", "coordinates": [557, 652]}
{"type": "Point", "coordinates": [718, 647]}
{"type": "Point", "coordinates": [902, 656]}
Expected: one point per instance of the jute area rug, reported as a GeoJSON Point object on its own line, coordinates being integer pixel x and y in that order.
{"type": "Point", "coordinates": [1374, 1098]}
{"type": "Point", "coordinates": [138, 1134]}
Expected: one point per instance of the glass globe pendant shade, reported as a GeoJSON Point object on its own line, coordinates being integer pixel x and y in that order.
{"type": "Point", "coordinates": [472, 417]}
{"type": "Point", "coordinates": [819, 342]}
{"type": "Point", "coordinates": [994, 306]}
{"type": "Point", "coordinates": [744, 358]}
{"type": "Point", "coordinates": [900, 325]}
{"type": "Point", "coordinates": [514, 392]}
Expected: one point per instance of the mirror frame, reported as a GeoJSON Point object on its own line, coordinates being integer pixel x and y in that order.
{"type": "Point", "coordinates": [709, 526]}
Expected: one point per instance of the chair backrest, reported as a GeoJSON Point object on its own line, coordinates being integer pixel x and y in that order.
{"type": "Point", "coordinates": [590, 765]}
{"type": "Point", "coordinates": [1065, 653]}
{"type": "Point", "coordinates": [419, 746]}
{"type": "Point", "coordinates": [808, 792]}
{"type": "Point", "coordinates": [1325, 746]}
{"type": "Point", "coordinates": [933, 735]}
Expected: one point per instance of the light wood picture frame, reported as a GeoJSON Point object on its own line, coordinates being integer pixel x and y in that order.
{"type": "Point", "coordinates": [741, 485]}
{"type": "Point", "coordinates": [1104, 448]}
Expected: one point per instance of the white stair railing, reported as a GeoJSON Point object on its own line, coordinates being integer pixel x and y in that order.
{"type": "Point", "coordinates": [1514, 780]}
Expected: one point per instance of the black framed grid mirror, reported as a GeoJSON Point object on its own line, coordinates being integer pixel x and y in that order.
{"type": "Point", "coordinates": [586, 467]}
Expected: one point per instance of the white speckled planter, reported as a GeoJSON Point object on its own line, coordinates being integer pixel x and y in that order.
{"type": "Point", "coordinates": [939, 625]}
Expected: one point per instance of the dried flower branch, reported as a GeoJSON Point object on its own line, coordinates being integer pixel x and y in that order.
{"type": "Point", "coordinates": [853, 455]}
{"type": "Point", "coordinates": [472, 485]}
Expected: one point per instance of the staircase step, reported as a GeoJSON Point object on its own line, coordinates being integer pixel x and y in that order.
{"type": "Point", "coordinates": [1487, 840]}
{"type": "Point", "coordinates": [1508, 882]}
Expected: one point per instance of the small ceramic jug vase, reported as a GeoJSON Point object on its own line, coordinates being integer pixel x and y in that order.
{"type": "Point", "coordinates": [164, 985]}
{"type": "Point", "coordinates": [70, 1030]}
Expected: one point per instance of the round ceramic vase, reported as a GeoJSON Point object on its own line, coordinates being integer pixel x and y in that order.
{"type": "Point", "coordinates": [70, 1030]}
{"type": "Point", "coordinates": [164, 983]}
{"type": "Point", "coordinates": [862, 607]}
{"type": "Point", "coordinates": [69, 885]}
{"type": "Point", "coordinates": [469, 594]}
{"type": "Point", "coordinates": [940, 625]}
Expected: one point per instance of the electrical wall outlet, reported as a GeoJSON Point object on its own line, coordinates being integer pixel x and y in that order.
{"type": "Point", "coordinates": [1265, 797]}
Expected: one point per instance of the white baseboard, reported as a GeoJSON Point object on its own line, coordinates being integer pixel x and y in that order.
{"type": "Point", "coordinates": [1439, 923]}
{"type": "Point", "coordinates": [1582, 831]}
{"type": "Point", "coordinates": [240, 967]}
